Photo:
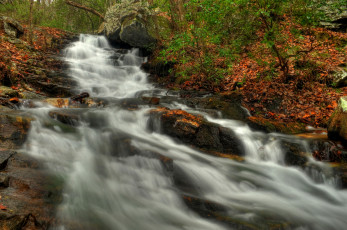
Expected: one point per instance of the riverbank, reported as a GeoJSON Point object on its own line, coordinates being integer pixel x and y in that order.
{"type": "Point", "coordinates": [306, 95]}
{"type": "Point", "coordinates": [29, 194]}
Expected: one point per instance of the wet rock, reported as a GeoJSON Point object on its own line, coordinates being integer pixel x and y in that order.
{"type": "Point", "coordinates": [29, 193]}
{"type": "Point", "coordinates": [131, 103]}
{"type": "Point", "coordinates": [267, 125]}
{"type": "Point", "coordinates": [9, 103]}
{"type": "Point", "coordinates": [80, 97]}
{"type": "Point", "coordinates": [14, 127]}
{"type": "Point", "coordinates": [4, 157]}
{"type": "Point", "coordinates": [4, 181]}
{"type": "Point", "coordinates": [218, 212]}
{"type": "Point", "coordinates": [53, 89]}
{"type": "Point", "coordinates": [294, 154]}
{"type": "Point", "coordinates": [194, 130]}
{"type": "Point", "coordinates": [68, 117]}
{"type": "Point", "coordinates": [328, 151]}
{"type": "Point", "coordinates": [337, 124]}
{"type": "Point", "coordinates": [151, 100]}
{"type": "Point", "coordinates": [30, 95]}
{"type": "Point", "coordinates": [158, 68]}
{"type": "Point", "coordinates": [51, 83]}
{"type": "Point", "coordinates": [68, 103]}
{"type": "Point", "coordinates": [204, 208]}
{"type": "Point", "coordinates": [8, 92]}
{"type": "Point", "coordinates": [225, 106]}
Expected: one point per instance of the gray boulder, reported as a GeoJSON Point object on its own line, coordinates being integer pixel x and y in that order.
{"type": "Point", "coordinates": [12, 27]}
{"type": "Point", "coordinates": [337, 124]}
{"type": "Point", "coordinates": [340, 78]}
{"type": "Point", "coordinates": [132, 22]}
{"type": "Point", "coordinates": [335, 16]}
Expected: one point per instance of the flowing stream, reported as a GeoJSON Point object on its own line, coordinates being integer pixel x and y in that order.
{"type": "Point", "coordinates": [107, 186]}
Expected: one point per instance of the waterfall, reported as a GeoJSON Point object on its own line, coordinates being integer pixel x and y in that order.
{"type": "Point", "coordinates": [114, 179]}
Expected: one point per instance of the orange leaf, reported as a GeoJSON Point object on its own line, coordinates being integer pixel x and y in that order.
{"type": "Point", "coordinates": [2, 207]}
{"type": "Point", "coordinates": [14, 100]}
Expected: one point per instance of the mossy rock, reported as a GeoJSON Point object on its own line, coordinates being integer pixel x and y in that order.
{"type": "Point", "coordinates": [8, 92]}
{"type": "Point", "coordinates": [337, 124]}
{"type": "Point", "coordinates": [134, 33]}
{"type": "Point", "coordinates": [159, 27]}
{"type": "Point", "coordinates": [269, 126]}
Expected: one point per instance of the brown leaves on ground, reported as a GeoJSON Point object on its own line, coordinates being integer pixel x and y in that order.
{"type": "Point", "coordinates": [304, 95]}
{"type": "Point", "coordinates": [17, 57]}
{"type": "Point", "coordinates": [181, 115]}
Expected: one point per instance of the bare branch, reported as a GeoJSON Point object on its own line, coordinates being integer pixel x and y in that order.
{"type": "Point", "coordinates": [74, 4]}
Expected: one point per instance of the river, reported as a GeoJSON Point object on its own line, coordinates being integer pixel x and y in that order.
{"type": "Point", "coordinates": [108, 187]}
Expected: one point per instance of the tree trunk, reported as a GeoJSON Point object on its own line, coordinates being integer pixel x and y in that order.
{"type": "Point", "coordinates": [74, 4]}
{"type": "Point", "coordinates": [177, 13]}
{"type": "Point", "coordinates": [31, 22]}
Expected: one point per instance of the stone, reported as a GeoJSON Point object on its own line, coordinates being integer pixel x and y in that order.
{"type": "Point", "coordinates": [132, 22]}
{"type": "Point", "coordinates": [337, 123]}
{"type": "Point", "coordinates": [195, 131]}
{"type": "Point", "coordinates": [8, 92]}
{"type": "Point", "coordinates": [293, 154]}
{"type": "Point", "coordinates": [268, 126]}
{"type": "Point", "coordinates": [12, 27]}
{"type": "Point", "coordinates": [335, 18]}
{"type": "Point", "coordinates": [68, 117]}
{"type": "Point", "coordinates": [340, 76]}
{"type": "Point", "coordinates": [29, 193]}
{"type": "Point", "coordinates": [30, 95]}
{"type": "Point", "coordinates": [14, 128]}
{"type": "Point", "coordinates": [134, 33]}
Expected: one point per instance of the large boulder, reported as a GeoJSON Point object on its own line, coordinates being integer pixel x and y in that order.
{"type": "Point", "coordinates": [12, 27]}
{"type": "Point", "coordinates": [195, 131]}
{"type": "Point", "coordinates": [335, 16]}
{"type": "Point", "coordinates": [337, 124]}
{"type": "Point", "coordinates": [133, 23]}
{"type": "Point", "coordinates": [340, 77]}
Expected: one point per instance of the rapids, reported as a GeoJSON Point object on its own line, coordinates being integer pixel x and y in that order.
{"type": "Point", "coordinates": [108, 187]}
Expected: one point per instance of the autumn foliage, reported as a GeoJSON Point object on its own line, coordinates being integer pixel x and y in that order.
{"type": "Point", "coordinates": [19, 59]}
{"type": "Point", "coordinates": [303, 92]}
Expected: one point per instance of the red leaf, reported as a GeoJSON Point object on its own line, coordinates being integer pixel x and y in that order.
{"type": "Point", "coordinates": [2, 207]}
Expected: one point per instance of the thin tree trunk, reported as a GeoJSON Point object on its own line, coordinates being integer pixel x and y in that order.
{"type": "Point", "coordinates": [74, 4]}
{"type": "Point", "coordinates": [31, 22]}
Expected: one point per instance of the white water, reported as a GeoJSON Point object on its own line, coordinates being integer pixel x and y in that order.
{"type": "Point", "coordinates": [106, 187]}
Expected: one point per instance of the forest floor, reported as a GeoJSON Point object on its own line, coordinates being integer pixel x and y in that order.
{"type": "Point", "coordinates": [23, 64]}
{"type": "Point", "coordinates": [308, 94]}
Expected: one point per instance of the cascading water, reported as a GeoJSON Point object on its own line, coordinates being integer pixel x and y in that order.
{"type": "Point", "coordinates": [107, 186]}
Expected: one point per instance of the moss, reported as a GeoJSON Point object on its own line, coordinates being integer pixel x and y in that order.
{"type": "Point", "coordinates": [267, 125]}
{"type": "Point", "coordinates": [158, 27]}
